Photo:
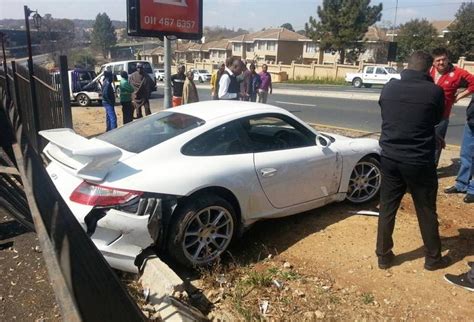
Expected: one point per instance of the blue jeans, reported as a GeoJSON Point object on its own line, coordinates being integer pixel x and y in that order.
{"type": "Point", "coordinates": [110, 117]}
{"type": "Point", "coordinates": [465, 179]}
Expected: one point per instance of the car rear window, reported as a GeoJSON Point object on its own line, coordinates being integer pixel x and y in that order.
{"type": "Point", "coordinates": [145, 133]}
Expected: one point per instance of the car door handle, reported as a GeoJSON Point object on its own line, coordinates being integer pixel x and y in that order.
{"type": "Point", "coordinates": [268, 172]}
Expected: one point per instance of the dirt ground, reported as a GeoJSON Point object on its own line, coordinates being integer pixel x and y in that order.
{"type": "Point", "coordinates": [315, 265]}
{"type": "Point", "coordinates": [337, 246]}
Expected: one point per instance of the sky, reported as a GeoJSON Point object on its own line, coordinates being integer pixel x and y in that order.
{"type": "Point", "coordinates": [246, 14]}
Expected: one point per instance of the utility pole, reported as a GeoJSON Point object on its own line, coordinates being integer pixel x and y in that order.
{"type": "Point", "coordinates": [394, 20]}
{"type": "Point", "coordinates": [167, 98]}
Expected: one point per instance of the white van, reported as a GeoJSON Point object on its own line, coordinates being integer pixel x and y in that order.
{"type": "Point", "coordinates": [129, 66]}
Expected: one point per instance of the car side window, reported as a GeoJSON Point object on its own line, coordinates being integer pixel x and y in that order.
{"type": "Point", "coordinates": [226, 139]}
{"type": "Point", "coordinates": [276, 132]}
{"type": "Point", "coordinates": [118, 69]}
{"type": "Point", "coordinates": [381, 71]}
{"type": "Point", "coordinates": [369, 70]}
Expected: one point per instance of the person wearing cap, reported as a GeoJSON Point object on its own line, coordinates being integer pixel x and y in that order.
{"type": "Point", "coordinates": [108, 101]}
{"type": "Point", "coordinates": [177, 83]}
{"type": "Point", "coordinates": [143, 86]}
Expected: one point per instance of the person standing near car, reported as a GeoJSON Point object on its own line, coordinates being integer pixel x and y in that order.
{"type": "Point", "coordinates": [215, 78]}
{"type": "Point", "coordinates": [108, 101]}
{"type": "Point", "coordinates": [190, 93]}
{"type": "Point", "coordinates": [408, 142]}
{"type": "Point", "coordinates": [229, 88]}
{"type": "Point", "coordinates": [450, 79]}
{"type": "Point", "coordinates": [265, 85]}
{"type": "Point", "coordinates": [177, 83]}
{"type": "Point", "coordinates": [126, 91]}
{"type": "Point", "coordinates": [143, 86]}
{"type": "Point", "coordinates": [465, 178]}
{"type": "Point", "coordinates": [253, 84]}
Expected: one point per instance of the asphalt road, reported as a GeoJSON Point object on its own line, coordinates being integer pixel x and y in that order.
{"type": "Point", "coordinates": [348, 113]}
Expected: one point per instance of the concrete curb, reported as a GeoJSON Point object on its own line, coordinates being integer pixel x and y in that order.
{"type": "Point", "coordinates": [162, 285]}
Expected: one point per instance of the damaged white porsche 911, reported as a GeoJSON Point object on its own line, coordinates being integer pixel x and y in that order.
{"type": "Point", "coordinates": [189, 180]}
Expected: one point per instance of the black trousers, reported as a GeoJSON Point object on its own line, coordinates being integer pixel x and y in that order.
{"type": "Point", "coordinates": [423, 184]}
{"type": "Point", "coordinates": [127, 112]}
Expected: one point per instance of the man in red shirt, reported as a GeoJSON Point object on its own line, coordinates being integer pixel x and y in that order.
{"type": "Point", "coordinates": [450, 79]}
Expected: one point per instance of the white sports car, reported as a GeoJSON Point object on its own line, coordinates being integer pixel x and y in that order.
{"type": "Point", "coordinates": [192, 178]}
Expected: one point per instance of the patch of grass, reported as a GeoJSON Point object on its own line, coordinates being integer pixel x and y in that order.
{"type": "Point", "coordinates": [259, 279]}
{"type": "Point", "coordinates": [321, 81]}
{"type": "Point", "coordinates": [290, 275]}
{"type": "Point", "coordinates": [368, 298]}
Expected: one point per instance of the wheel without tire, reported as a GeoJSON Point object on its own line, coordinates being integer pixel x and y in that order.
{"type": "Point", "coordinates": [201, 230]}
{"type": "Point", "coordinates": [365, 180]}
{"type": "Point", "coordinates": [83, 99]}
{"type": "Point", "coordinates": [357, 82]}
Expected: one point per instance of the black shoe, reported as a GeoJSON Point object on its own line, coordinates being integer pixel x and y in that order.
{"type": "Point", "coordinates": [460, 280]}
{"type": "Point", "coordinates": [453, 189]}
{"type": "Point", "coordinates": [469, 198]}
{"type": "Point", "coordinates": [385, 262]}
{"type": "Point", "coordinates": [442, 263]}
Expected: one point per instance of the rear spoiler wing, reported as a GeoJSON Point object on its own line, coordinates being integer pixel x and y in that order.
{"type": "Point", "coordinates": [88, 159]}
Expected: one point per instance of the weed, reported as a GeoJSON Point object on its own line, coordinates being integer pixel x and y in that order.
{"type": "Point", "coordinates": [368, 298]}
{"type": "Point", "coordinates": [259, 279]}
{"type": "Point", "coordinates": [290, 275]}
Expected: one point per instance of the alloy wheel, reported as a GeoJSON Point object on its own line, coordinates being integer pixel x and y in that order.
{"type": "Point", "coordinates": [364, 183]}
{"type": "Point", "coordinates": [207, 234]}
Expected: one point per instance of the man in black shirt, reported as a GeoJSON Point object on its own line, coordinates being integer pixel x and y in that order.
{"type": "Point", "coordinates": [411, 107]}
{"type": "Point", "coordinates": [177, 82]}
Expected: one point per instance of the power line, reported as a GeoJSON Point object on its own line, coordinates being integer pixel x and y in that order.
{"type": "Point", "coordinates": [426, 5]}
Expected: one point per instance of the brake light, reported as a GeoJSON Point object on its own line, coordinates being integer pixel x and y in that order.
{"type": "Point", "coordinates": [95, 195]}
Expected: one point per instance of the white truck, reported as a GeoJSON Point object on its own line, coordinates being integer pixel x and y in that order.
{"type": "Point", "coordinates": [372, 75]}
{"type": "Point", "coordinates": [83, 86]}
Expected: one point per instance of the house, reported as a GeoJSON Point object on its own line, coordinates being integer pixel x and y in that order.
{"type": "Point", "coordinates": [155, 56]}
{"type": "Point", "coordinates": [183, 52]}
{"type": "Point", "coordinates": [442, 26]}
{"type": "Point", "coordinates": [219, 50]}
{"type": "Point", "coordinates": [270, 45]}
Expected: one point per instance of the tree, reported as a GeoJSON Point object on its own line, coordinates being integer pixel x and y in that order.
{"type": "Point", "coordinates": [461, 33]}
{"type": "Point", "coordinates": [287, 26]}
{"type": "Point", "coordinates": [342, 24]}
{"type": "Point", "coordinates": [416, 35]}
{"type": "Point", "coordinates": [103, 34]}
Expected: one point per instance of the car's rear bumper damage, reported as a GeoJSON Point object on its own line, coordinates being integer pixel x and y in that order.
{"type": "Point", "coordinates": [122, 232]}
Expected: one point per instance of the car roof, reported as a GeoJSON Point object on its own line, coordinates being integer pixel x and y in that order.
{"type": "Point", "coordinates": [209, 110]}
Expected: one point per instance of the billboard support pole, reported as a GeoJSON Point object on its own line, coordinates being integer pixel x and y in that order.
{"type": "Point", "coordinates": [167, 98]}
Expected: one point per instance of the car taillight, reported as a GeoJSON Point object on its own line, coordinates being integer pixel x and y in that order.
{"type": "Point", "coordinates": [95, 195]}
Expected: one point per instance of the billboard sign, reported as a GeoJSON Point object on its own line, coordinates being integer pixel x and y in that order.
{"type": "Point", "coordinates": [158, 18]}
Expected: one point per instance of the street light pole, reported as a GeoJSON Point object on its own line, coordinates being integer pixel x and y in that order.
{"type": "Point", "coordinates": [395, 20]}
{"type": "Point", "coordinates": [167, 90]}
{"type": "Point", "coordinates": [34, 102]}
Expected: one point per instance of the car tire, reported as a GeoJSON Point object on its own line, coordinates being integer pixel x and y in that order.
{"type": "Point", "coordinates": [367, 85]}
{"type": "Point", "coordinates": [83, 100]}
{"type": "Point", "coordinates": [365, 181]}
{"type": "Point", "coordinates": [117, 92]}
{"type": "Point", "coordinates": [206, 223]}
{"type": "Point", "coordinates": [357, 82]}
{"type": "Point", "coordinates": [201, 80]}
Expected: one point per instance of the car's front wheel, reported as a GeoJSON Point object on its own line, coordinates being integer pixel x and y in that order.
{"type": "Point", "coordinates": [201, 230]}
{"type": "Point", "coordinates": [357, 82]}
{"type": "Point", "coordinates": [365, 180]}
{"type": "Point", "coordinates": [83, 99]}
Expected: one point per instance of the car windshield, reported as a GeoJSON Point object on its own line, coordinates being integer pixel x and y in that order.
{"type": "Point", "coordinates": [150, 131]}
{"type": "Point", "coordinates": [132, 67]}
{"type": "Point", "coordinates": [203, 71]}
{"type": "Point", "coordinates": [391, 70]}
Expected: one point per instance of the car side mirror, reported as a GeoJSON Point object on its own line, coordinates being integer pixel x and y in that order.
{"type": "Point", "coordinates": [322, 141]}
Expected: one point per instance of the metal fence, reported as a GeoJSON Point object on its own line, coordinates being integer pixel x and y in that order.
{"type": "Point", "coordinates": [85, 286]}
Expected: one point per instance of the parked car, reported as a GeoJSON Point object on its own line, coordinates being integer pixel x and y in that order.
{"type": "Point", "coordinates": [130, 66]}
{"type": "Point", "coordinates": [372, 75]}
{"type": "Point", "coordinates": [201, 75]}
{"type": "Point", "coordinates": [83, 86]}
{"type": "Point", "coordinates": [193, 178]}
{"type": "Point", "coordinates": [160, 74]}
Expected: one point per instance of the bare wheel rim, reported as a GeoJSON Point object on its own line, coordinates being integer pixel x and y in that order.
{"type": "Point", "coordinates": [364, 182]}
{"type": "Point", "coordinates": [208, 234]}
{"type": "Point", "coordinates": [83, 100]}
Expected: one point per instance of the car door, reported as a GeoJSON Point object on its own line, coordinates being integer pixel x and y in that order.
{"type": "Point", "coordinates": [381, 75]}
{"type": "Point", "coordinates": [292, 169]}
{"type": "Point", "coordinates": [368, 76]}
